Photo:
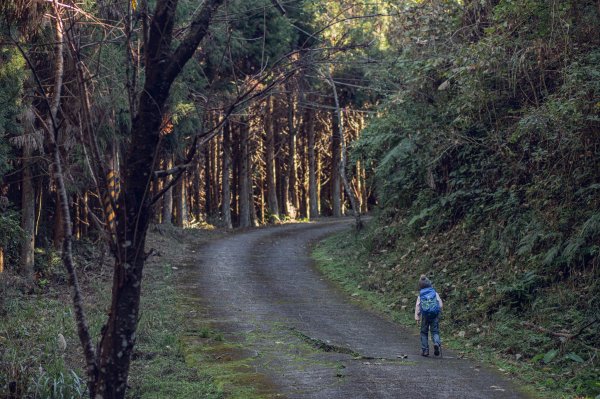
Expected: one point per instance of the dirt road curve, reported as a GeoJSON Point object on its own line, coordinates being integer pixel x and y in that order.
{"type": "Point", "coordinates": [309, 339]}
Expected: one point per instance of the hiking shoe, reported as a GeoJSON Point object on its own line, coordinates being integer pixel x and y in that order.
{"type": "Point", "coordinates": [425, 353]}
{"type": "Point", "coordinates": [436, 350]}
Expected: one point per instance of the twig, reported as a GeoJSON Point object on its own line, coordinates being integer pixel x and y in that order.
{"type": "Point", "coordinates": [563, 335]}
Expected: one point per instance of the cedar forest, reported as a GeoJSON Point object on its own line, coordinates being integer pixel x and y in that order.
{"type": "Point", "coordinates": [468, 131]}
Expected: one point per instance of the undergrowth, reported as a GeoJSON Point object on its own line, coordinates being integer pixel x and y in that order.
{"type": "Point", "coordinates": [533, 326]}
{"type": "Point", "coordinates": [36, 324]}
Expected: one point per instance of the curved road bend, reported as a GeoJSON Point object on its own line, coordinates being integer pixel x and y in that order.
{"type": "Point", "coordinates": [260, 287]}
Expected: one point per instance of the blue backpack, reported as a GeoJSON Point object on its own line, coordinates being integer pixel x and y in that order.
{"type": "Point", "coordinates": [430, 308]}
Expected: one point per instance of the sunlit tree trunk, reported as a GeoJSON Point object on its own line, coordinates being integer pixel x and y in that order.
{"type": "Point", "coordinates": [179, 201]}
{"type": "Point", "coordinates": [336, 152]}
{"type": "Point", "coordinates": [313, 199]}
{"type": "Point", "coordinates": [318, 179]}
{"type": "Point", "coordinates": [272, 204]}
{"type": "Point", "coordinates": [226, 170]}
{"type": "Point", "coordinates": [196, 194]}
{"type": "Point", "coordinates": [216, 175]}
{"type": "Point", "coordinates": [208, 191]}
{"type": "Point", "coordinates": [292, 164]}
{"type": "Point", "coordinates": [253, 189]}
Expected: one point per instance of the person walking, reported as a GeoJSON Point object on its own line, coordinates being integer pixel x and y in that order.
{"type": "Point", "coordinates": [427, 311]}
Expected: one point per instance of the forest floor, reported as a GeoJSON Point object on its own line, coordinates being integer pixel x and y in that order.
{"type": "Point", "coordinates": [34, 363]}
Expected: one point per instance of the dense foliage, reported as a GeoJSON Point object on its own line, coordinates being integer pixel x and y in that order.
{"type": "Point", "coordinates": [490, 140]}
{"type": "Point", "coordinates": [478, 124]}
{"type": "Point", "coordinates": [494, 124]}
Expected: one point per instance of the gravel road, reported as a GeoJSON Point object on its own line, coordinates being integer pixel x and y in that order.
{"type": "Point", "coordinates": [311, 340]}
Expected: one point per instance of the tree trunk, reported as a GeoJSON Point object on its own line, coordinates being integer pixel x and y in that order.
{"type": "Point", "coordinates": [208, 192]}
{"type": "Point", "coordinates": [162, 67]}
{"type": "Point", "coordinates": [342, 164]}
{"type": "Point", "coordinates": [226, 203]}
{"type": "Point", "coordinates": [319, 175]}
{"type": "Point", "coordinates": [313, 199]}
{"type": "Point", "coordinates": [167, 200]}
{"type": "Point", "coordinates": [58, 235]}
{"type": "Point", "coordinates": [197, 193]}
{"type": "Point", "coordinates": [216, 174]}
{"type": "Point", "coordinates": [292, 172]}
{"type": "Point", "coordinates": [179, 199]}
{"type": "Point", "coordinates": [280, 172]}
{"type": "Point", "coordinates": [273, 207]}
{"type": "Point", "coordinates": [27, 217]}
{"type": "Point", "coordinates": [336, 152]}
{"type": "Point", "coordinates": [85, 221]}
{"type": "Point", "coordinates": [1, 260]}
{"type": "Point", "coordinates": [235, 172]}
{"type": "Point", "coordinates": [244, 179]}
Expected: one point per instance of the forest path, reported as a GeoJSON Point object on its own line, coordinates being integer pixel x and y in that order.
{"type": "Point", "coordinates": [308, 338]}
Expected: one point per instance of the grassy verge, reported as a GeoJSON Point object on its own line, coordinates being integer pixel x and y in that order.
{"type": "Point", "coordinates": [474, 323]}
{"type": "Point", "coordinates": [40, 355]}
{"type": "Point", "coordinates": [159, 369]}
{"type": "Point", "coordinates": [180, 355]}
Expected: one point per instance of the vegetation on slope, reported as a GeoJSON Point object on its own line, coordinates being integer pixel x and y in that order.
{"type": "Point", "coordinates": [482, 316]}
{"type": "Point", "coordinates": [486, 161]}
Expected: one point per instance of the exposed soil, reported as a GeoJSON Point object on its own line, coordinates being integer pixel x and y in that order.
{"type": "Point", "coordinates": [307, 338]}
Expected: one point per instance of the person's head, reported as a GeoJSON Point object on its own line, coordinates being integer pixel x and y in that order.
{"type": "Point", "coordinates": [424, 282]}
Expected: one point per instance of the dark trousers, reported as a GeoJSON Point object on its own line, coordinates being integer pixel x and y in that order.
{"type": "Point", "coordinates": [426, 325]}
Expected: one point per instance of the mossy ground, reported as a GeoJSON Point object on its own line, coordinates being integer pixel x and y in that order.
{"type": "Point", "coordinates": [476, 322]}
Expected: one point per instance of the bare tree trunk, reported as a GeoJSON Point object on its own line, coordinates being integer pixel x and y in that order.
{"type": "Point", "coordinates": [272, 205]}
{"type": "Point", "coordinates": [84, 214]}
{"type": "Point", "coordinates": [163, 65]}
{"type": "Point", "coordinates": [197, 193]}
{"type": "Point", "coordinates": [235, 173]}
{"type": "Point", "coordinates": [336, 153]}
{"type": "Point", "coordinates": [313, 199]}
{"type": "Point", "coordinates": [1, 260]}
{"type": "Point", "coordinates": [216, 174]}
{"type": "Point", "coordinates": [252, 165]}
{"type": "Point", "coordinates": [292, 164]}
{"type": "Point", "coordinates": [27, 216]}
{"type": "Point", "coordinates": [179, 199]}
{"type": "Point", "coordinates": [319, 175]}
{"type": "Point", "coordinates": [226, 203]}
{"type": "Point", "coordinates": [58, 235]}
{"type": "Point", "coordinates": [208, 192]}
{"type": "Point", "coordinates": [244, 179]}
{"type": "Point", "coordinates": [167, 200]}
{"type": "Point", "coordinates": [342, 165]}
{"type": "Point", "coordinates": [280, 173]}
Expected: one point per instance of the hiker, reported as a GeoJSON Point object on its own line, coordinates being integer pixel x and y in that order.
{"type": "Point", "coordinates": [427, 311]}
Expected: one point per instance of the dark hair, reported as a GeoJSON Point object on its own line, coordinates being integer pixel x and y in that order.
{"type": "Point", "coordinates": [424, 282]}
